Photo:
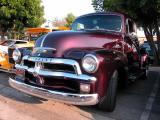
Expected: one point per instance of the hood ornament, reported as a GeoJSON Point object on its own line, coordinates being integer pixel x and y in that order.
{"type": "Point", "coordinates": [42, 50]}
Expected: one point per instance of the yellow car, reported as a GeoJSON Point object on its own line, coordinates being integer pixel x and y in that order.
{"type": "Point", "coordinates": [10, 48]}
{"type": "Point", "coordinates": [7, 48]}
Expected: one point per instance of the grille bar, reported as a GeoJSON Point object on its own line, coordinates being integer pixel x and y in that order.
{"type": "Point", "coordinates": [48, 73]}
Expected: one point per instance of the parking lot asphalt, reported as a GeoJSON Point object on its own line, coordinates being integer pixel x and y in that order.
{"type": "Point", "coordinates": [140, 101]}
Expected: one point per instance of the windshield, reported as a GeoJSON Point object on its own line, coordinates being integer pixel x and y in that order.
{"type": "Point", "coordinates": [98, 22]}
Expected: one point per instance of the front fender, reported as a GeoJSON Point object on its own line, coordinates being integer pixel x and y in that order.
{"type": "Point", "coordinates": [109, 61]}
{"type": "Point", "coordinates": [23, 50]}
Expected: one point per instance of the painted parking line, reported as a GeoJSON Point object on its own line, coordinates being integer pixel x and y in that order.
{"type": "Point", "coordinates": [146, 113]}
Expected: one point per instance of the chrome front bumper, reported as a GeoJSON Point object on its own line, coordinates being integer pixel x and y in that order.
{"type": "Point", "coordinates": [76, 99]}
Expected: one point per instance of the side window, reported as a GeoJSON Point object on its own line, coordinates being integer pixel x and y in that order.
{"type": "Point", "coordinates": [130, 26]}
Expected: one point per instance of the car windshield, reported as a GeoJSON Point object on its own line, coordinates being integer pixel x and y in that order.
{"type": "Point", "coordinates": [98, 22]}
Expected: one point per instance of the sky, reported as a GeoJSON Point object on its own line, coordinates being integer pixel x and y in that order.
{"type": "Point", "coordinates": [60, 8]}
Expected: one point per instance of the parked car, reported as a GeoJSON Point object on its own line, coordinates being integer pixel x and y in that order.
{"type": "Point", "coordinates": [83, 66]}
{"type": "Point", "coordinates": [5, 64]}
{"type": "Point", "coordinates": [32, 34]}
{"type": "Point", "coordinates": [147, 47]}
{"type": "Point", "coordinates": [10, 46]}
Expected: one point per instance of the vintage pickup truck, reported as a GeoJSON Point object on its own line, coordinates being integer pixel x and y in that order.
{"type": "Point", "coordinates": [85, 65]}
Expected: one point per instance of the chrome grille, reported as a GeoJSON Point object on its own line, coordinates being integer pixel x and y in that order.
{"type": "Point", "coordinates": [65, 68]}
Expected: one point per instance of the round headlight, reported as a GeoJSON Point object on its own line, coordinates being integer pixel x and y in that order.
{"type": "Point", "coordinates": [90, 63]}
{"type": "Point", "coordinates": [16, 55]}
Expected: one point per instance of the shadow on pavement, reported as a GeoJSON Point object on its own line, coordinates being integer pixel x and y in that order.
{"type": "Point", "coordinates": [7, 91]}
{"type": "Point", "coordinates": [131, 102]}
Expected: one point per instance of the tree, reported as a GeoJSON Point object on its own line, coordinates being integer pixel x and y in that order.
{"type": "Point", "coordinates": [18, 14]}
{"type": "Point", "coordinates": [145, 12]}
{"type": "Point", "coordinates": [59, 22]}
{"type": "Point", "coordinates": [98, 5]}
{"type": "Point", "coordinates": [69, 19]}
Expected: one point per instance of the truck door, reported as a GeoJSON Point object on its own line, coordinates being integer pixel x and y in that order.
{"type": "Point", "coordinates": [133, 46]}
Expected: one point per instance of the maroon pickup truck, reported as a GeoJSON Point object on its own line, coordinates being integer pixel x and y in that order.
{"type": "Point", "coordinates": [83, 66]}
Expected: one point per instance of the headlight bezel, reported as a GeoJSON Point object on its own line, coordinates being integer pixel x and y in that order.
{"type": "Point", "coordinates": [93, 57]}
{"type": "Point", "coordinates": [16, 55]}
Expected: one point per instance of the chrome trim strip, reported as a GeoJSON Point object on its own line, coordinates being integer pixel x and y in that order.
{"type": "Point", "coordinates": [76, 99]}
{"type": "Point", "coordinates": [20, 67]}
{"type": "Point", "coordinates": [25, 57]}
{"type": "Point", "coordinates": [41, 72]}
{"type": "Point", "coordinates": [40, 50]}
{"type": "Point", "coordinates": [42, 42]}
{"type": "Point", "coordinates": [44, 48]}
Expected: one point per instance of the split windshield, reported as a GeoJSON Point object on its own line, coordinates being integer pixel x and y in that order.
{"type": "Point", "coordinates": [98, 22]}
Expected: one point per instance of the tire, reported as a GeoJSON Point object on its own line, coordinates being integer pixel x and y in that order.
{"type": "Point", "coordinates": [145, 71]}
{"type": "Point", "coordinates": [108, 102]}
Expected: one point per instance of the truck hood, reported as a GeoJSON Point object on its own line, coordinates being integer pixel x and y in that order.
{"type": "Point", "coordinates": [62, 41]}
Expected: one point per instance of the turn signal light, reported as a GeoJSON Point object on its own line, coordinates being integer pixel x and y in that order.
{"type": "Point", "coordinates": [84, 88]}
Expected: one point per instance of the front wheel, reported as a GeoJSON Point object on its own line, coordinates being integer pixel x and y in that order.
{"type": "Point", "coordinates": [108, 102]}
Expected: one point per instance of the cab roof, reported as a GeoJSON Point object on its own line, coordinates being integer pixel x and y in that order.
{"type": "Point", "coordinates": [104, 13]}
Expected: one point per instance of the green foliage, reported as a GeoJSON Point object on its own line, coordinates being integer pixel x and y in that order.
{"type": "Point", "coordinates": [145, 12]}
{"type": "Point", "coordinates": [18, 14]}
{"type": "Point", "coordinates": [98, 5]}
{"type": "Point", "coordinates": [69, 19]}
{"type": "Point", "coordinates": [59, 22]}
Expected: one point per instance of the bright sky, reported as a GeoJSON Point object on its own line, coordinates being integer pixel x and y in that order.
{"type": "Point", "coordinates": [60, 8]}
